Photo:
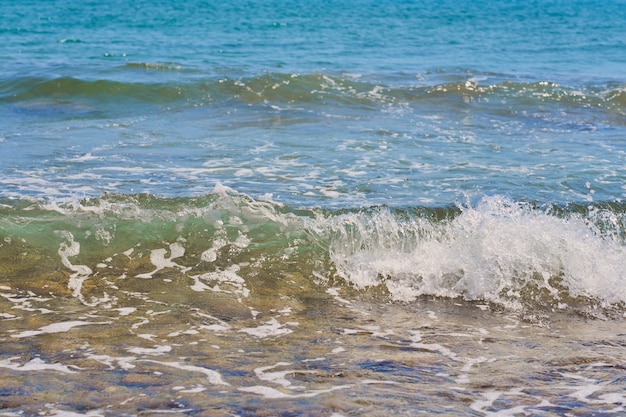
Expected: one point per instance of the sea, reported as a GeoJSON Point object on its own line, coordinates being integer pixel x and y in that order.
{"type": "Point", "coordinates": [312, 208]}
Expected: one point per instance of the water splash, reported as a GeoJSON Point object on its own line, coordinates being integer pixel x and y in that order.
{"type": "Point", "coordinates": [500, 251]}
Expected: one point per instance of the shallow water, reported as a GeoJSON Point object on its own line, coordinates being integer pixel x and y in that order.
{"type": "Point", "coordinates": [325, 355]}
{"type": "Point", "coordinates": [230, 306]}
{"type": "Point", "coordinates": [312, 208]}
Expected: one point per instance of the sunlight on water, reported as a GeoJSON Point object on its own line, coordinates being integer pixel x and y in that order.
{"type": "Point", "coordinates": [245, 306]}
{"type": "Point", "coordinates": [288, 208]}
{"type": "Point", "coordinates": [290, 351]}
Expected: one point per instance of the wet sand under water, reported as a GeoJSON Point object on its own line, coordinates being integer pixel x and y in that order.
{"type": "Point", "coordinates": [297, 349]}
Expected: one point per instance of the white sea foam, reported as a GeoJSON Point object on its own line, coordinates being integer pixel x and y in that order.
{"type": "Point", "coordinates": [278, 377]}
{"type": "Point", "coordinates": [335, 293]}
{"type": "Point", "coordinates": [377, 381]}
{"type": "Point", "coordinates": [25, 302]}
{"type": "Point", "coordinates": [447, 352]}
{"type": "Point", "coordinates": [273, 393]}
{"type": "Point", "coordinates": [268, 329]}
{"type": "Point", "coordinates": [492, 252]}
{"type": "Point", "coordinates": [35, 364]}
{"type": "Point", "coordinates": [123, 362]}
{"type": "Point", "coordinates": [55, 412]}
{"type": "Point", "coordinates": [160, 261]}
{"type": "Point", "coordinates": [80, 272]}
{"type": "Point", "coordinates": [195, 390]}
{"type": "Point", "coordinates": [213, 377]}
{"type": "Point", "coordinates": [584, 392]}
{"type": "Point", "coordinates": [227, 281]}
{"type": "Point", "coordinates": [154, 351]}
{"type": "Point", "coordinates": [125, 311]}
{"type": "Point", "coordinates": [83, 158]}
{"type": "Point", "coordinates": [57, 328]}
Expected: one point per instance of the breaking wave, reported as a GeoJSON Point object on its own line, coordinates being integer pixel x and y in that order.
{"type": "Point", "coordinates": [513, 255]}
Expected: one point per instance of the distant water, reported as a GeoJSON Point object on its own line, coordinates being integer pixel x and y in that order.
{"type": "Point", "coordinates": [334, 205]}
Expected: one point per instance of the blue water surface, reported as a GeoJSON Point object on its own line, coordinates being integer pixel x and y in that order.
{"type": "Point", "coordinates": [316, 103]}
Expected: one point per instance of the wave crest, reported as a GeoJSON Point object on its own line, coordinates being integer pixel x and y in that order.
{"type": "Point", "coordinates": [499, 251]}
{"type": "Point", "coordinates": [514, 255]}
{"type": "Point", "coordinates": [313, 88]}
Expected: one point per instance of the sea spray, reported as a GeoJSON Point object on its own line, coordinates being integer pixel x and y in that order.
{"type": "Point", "coordinates": [499, 251]}
{"type": "Point", "coordinates": [516, 255]}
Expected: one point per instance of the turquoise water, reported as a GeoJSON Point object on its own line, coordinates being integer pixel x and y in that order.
{"type": "Point", "coordinates": [312, 208]}
{"type": "Point", "coordinates": [416, 103]}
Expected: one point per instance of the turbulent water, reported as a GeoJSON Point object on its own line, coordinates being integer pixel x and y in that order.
{"type": "Point", "coordinates": [312, 208]}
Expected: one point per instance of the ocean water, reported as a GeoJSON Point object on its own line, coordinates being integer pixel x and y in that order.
{"type": "Point", "coordinates": [324, 208]}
